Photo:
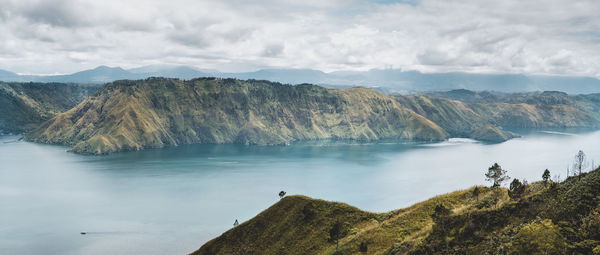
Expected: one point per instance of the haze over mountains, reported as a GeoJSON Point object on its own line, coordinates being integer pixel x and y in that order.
{"type": "Point", "coordinates": [386, 80]}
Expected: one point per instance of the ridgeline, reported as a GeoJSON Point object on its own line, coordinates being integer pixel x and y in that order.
{"type": "Point", "coordinates": [24, 106]}
{"type": "Point", "coordinates": [551, 218]}
{"type": "Point", "coordinates": [157, 112]}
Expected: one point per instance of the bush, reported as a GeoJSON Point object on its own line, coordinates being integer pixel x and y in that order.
{"type": "Point", "coordinates": [487, 202]}
{"type": "Point", "coordinates": [541, 237]}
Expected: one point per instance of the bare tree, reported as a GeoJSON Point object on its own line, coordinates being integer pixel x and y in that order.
{"type": "Point", "coordinates": [580, 163]}
{"type": "Point", "coordinates": [556, 178]}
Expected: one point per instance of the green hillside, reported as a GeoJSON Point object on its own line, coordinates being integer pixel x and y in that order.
{"type": "Point", "coordinates": [26, 105]}
{"type": "Point", "coordinates": [157, 112]}
{"type": "Point", "coordinates": [553, 218]}
{"type": "Point", "coordinates": [525, 110]}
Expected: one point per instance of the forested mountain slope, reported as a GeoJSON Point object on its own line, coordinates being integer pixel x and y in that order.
{"type": "Point", "coordinates": [24, 106]}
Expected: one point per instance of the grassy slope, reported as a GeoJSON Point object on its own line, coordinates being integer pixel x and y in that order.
{"type": "Point", "coordinates": [562, 218]}
{"type": "Point", "coordinates": [492, 134]}
{"type": "Point", "coordinates": [463, 118]}
{"type": "Point", "coordinates": [285, 226]}
{"type": "Point", "coordinates": [157, 112]}
{"type": "Point", "coordinates": [570, 208]}
{"type": "Point", "coordinates": [132, 115]}
{"type": "Point", "coordinates": [27, 105]}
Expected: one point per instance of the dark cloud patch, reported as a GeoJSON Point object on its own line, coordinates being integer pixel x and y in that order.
{"type": "Point", "coordinates": [273, 50]}
{"type": "Point", "coordinates": [60, 13]}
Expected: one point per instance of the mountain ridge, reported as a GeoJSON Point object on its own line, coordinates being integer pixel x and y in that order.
{"type": "Point", "coordinates": [546, 218]}
{"type": "Point", "coordinates": [27, 105]}
{"type": "Point", "coordinates": [392, 80]}
{"type": "Point", "coordinates": [157, 112]}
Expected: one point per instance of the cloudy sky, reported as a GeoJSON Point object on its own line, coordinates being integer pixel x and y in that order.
{"type": "Point", "coordinates": [508, 36]}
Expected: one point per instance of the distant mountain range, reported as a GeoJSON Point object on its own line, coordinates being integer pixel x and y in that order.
{"type": "Point", "coordinates": [388, 80]}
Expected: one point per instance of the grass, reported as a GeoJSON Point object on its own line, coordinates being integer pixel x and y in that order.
{"type": "Point", "coordinates": [133, 115]}
{"type": "Point", "coordinates": [285, 225]}
{"type": "Point", "coordinates": [554, 218]}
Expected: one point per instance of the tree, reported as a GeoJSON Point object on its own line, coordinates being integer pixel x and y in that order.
{"type": "Point", "coordinates": [546, 177]}
{"type": "Point", "coordinates": [516, 189]}
{"type": "Point", "coordinates": [440, 216]}
{"type": "Point", "coordinates": [336, 232]}
{"type": "Point", "coordinates": [236, 223]}
{"type": "Point", "coordinates": [281, 194]}
{"type": "Point", "coordinates": [476, 193]}
{"type": "Point", "coordinates": [580, 163]}
{"type": "Point", "coordinates": [496, 175]}
{"type": "Point", "coordinates": [440, 212]}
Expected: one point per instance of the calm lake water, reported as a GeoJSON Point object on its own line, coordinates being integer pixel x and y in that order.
{"type": "Point", "coordinates": [171, 201]}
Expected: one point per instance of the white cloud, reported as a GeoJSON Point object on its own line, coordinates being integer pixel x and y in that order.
{"type": "Point", "coordinates": [512, 36]}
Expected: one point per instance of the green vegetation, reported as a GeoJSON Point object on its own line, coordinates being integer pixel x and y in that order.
{"type": "Point", "coordinates": [158, 112]}
{"type": "Point", "coordinates": [26, 105]}
{"type": "Point", "coordinates": [492, 134]}
{"type": "Point", "coordinates": [559, 218]}
{"type": "Point", "coordinates": [496, 175]}
{"type": "Point", "coordinates": [479, 115]}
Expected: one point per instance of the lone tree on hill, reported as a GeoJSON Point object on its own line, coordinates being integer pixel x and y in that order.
{"type": "Point", "coordinates": [496, 175]}
{"type": "Point", "coordinates": [516, 189]}
{"type": "Point", "coordinates": [546, 177]}
{"type": "Point", "coordinates": [281, 194]}
{"type": "Point", "coordinates": [580, 163]}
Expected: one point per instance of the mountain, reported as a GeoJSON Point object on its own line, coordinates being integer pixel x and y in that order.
{"type": "Point", "coordinates": [169, 71]}
{"type": "Point", "coordinates": [461, 113]}
{"type": "Point", "coordinates": [385, 80]}
{"type": "Point", "coordinates": [288, 76]}
{"type": "Point", "coordinates": [98, 75]}
{"type": "Point", "coordinates": [157, 112]}
{"type": "Point", "coordinates": [26, 105]}
{"type": "Point", "coordinates": [553, 218]}
{"type": "Point", "coordinates": [7, 76]}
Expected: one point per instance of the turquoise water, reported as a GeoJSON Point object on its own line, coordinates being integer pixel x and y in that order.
{"type": "Point", "coordinates": [172, 200]}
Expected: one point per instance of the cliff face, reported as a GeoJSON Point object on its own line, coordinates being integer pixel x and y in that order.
{"type": "Point", "coordinates": [553, 218]}
{"type": "Point", "coordinates": [132, 115]}
{"type": "Point", "coordinates": [157, 112]}
{"type": "Point", "coordinates": [464, 118]}
{"type": "Point", "coordinates": [24, 106]}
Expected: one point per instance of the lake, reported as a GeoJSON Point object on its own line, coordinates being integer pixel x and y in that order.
{"type": "Point", "coordinates": [172, 200]}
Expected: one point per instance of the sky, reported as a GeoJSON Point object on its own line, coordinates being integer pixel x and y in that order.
{"type": "Point", "coordinates": [556, 37]}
